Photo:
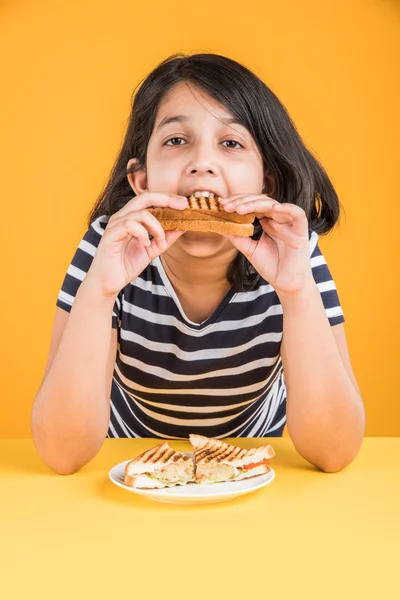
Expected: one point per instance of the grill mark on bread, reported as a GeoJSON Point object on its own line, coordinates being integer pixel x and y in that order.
{"type": "Point", "coordinates": [150, 454]}
{"type": "Point", "coordinates": [216, 456]}
{"type": "Point", "coordinates": [217, 451]}
{"type": "Point", "coordinates": [230, 453]}
{"type": "Point", "coordinates": [224, 453]}
{"type": "Point", "coordinates": [206, 448]}
{"type": "Point", "coordinates": [178, 456]}
{"type": "Point", "coordinates": [201, 454]}
{"type": "Point", "coordinates": [162, 454]}
{"type": "Point", "coordinates": [210, 204]}
{"type": "Point", "coordinates": [158, 454]}
{"type": "Point", "coordinates": [209, 453]}
{"type": "Point", "coordinates": [167, 455]}
{"type": "Point", "coordinates": [205, 203]}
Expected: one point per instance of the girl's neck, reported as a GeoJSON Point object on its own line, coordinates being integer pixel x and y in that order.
{"type": "Point", "coordinates": [199, 283]}
{"type": "Point", "coordinates": [188, 273]}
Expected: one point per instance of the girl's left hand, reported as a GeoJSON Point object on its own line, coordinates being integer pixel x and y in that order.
{"type": "Point", "coordinates": [282, 254]}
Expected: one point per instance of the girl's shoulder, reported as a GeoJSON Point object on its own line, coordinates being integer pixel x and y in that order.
{"type": "Point", "coordinates": [99, 224]}
{"type": "Point", "coordinates": [94, 234]}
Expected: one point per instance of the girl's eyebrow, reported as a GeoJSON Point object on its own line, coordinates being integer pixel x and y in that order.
{"type": "Point", "coordinates": [185, 119]}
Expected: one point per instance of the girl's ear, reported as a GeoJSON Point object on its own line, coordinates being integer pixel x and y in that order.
{"type": "Point", "coordinates": [269, 183]}
{"type": "Point", "coordinates": [137, 180]}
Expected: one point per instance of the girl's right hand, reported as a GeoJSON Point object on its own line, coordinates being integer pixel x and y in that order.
{"type": "Point", "coordinates": [125, 249]}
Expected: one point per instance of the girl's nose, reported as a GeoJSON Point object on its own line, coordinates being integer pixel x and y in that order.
{"type": "Point", "coordinates": [202, 159]}
{"type": "Point", "coordinates": [203, 167]}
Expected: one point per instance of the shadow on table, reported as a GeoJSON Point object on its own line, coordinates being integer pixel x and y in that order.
{"type": "Point", "coordinates": [119, 496]}
{"type": "Point", "coordinates": [289, 459]}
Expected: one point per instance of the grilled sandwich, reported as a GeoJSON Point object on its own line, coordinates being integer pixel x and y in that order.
{"type": "Point", "coordinates": [217, 461]}
{"type": "Point", "coordinates": [205, 214]}
{"type": "Point", "coordinates": [159, 467]}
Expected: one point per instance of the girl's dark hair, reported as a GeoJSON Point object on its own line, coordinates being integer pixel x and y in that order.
{"type": "Point", "coordinates": [299, 177]}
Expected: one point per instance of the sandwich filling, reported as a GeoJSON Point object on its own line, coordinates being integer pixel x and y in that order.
{"type": "Point", "coordinates": [173, 474]}
{"type": "Point", "coordinates": [211, 473]}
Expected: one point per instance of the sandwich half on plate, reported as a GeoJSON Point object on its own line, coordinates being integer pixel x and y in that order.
{"type": "Point", "coordinates": [159, 467]}
{"type": "Point", "coordinates": [205, 214]}
{"type": "Point", "coordinates": [217, 461]}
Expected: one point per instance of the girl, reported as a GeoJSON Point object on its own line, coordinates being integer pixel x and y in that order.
{"type": "Point", "coordinates": [162, 334]}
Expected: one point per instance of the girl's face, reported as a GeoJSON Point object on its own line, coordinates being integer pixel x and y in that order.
{"type": "Point", "coordinates": [190, 149]}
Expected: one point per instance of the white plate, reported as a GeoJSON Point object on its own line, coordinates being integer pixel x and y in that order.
{"type": "Point", "coordinates": [194, 493]}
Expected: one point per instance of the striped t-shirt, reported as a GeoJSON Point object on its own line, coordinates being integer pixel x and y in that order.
{"type": "Point", "coordinates": [172, 377]}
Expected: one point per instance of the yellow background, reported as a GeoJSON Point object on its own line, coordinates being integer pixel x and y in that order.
{"type": "Point", "coordinates": [69, 70]}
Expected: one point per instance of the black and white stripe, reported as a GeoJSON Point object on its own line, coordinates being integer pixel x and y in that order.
{"type": "Point", "coordinates": [172, 377]}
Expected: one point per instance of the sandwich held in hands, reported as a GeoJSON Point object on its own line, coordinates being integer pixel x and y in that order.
{"type": "Point", "coordinates": [217, 461]}
{"type": "Point", "coordinates": [159, 467]}
{"type": "Point", "coordinates": [213, 461]}
{"type": "Point", "coordinates": [206, 214]}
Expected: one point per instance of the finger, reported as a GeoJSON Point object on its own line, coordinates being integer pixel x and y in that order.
{"type": "Point", "coordinates": [284, 233]}
{"type": "Point", "coordinates": [234, 202]}
{"type": "Point", "coordinates": [273, 228]}
{"type": "Point", "coordinates": [150, 199]}
{"type": "Point", "coordinates": [150, 222]}
{"type": "Point", "coordinates": [259, 204]}
{"type": "Point", "coordinates": [274, 225]}
{"type": "Point", "coordinates": [236, 197]}
{"type": "Point", "coordinates": [299, 217]}
{"type": "Point", "coordinates": [127, 228]}
{"type": "Point", "coordinates": [263, 207]}
{"type": "Point", "coordinates": [245, 245]}
{"type": "Point", "coordinates": [172, 236]}
{"type": "Point", "coordinates": [279, 218]}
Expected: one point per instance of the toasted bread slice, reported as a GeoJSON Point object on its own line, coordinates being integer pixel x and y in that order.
{"type": "Point", "coordinates": [201, 209]}
{"type": "Point", "coordinates": [217, 461]}
{"type": "Point", "coordinates": [159, 467]}
{"type": "Point", "coordinates": [204, 214]}
{"type": "Point", "coordinates": [208, 226]}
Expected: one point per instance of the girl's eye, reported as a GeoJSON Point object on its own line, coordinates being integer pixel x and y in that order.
{"type": "Point", "coordinates": [234, 142]}
{"type": "Point", "coordinates": [180, 139]}
{"type": "Point", "coordinates": [172, 139]}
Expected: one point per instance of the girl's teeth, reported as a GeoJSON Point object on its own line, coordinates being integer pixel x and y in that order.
{"type": "Point", "coordinates": [205, 194]}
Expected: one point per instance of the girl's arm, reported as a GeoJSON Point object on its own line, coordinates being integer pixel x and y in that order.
{"type": "Point", "coordinates": [70, 415]}
{"type": "Point", "coordinates": [325, 413]}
